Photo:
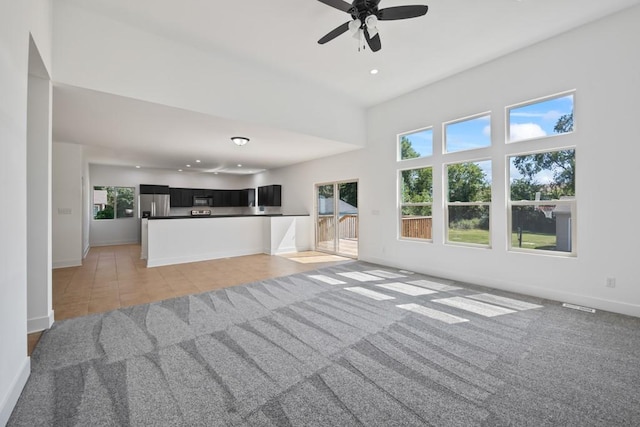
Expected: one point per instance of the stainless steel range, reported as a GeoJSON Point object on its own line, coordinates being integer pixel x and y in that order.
{"type": "Point", "coordinates": [201, 212]}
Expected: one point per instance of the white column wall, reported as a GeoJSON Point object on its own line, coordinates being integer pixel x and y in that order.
{"type": "Point", "coordinates": [17, 20]}
{"type": "Point", "coordinates": [597, 61]}
{"type": "Point", "coordinates": [39, 302]}
{"type": "Point", "coordinates": [67, 178]}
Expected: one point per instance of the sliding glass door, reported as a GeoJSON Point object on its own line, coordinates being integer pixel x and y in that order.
{"type": "Point", "coordinates": [337, 218]}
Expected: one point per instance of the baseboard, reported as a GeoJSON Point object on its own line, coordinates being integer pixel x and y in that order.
{"type": "Point", "coordinates": [40, 323]}
{"type": "Point", "coordinates": [116, 243]}
{"type": "Point", "coordinates": [18, 383]}
{"type": "Point", "coordinates": [67, 263]}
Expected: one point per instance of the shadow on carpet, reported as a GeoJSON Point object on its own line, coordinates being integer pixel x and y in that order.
{"type": "Point", "coordinates": [353, 344]}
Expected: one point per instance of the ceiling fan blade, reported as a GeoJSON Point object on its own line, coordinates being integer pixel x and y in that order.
{"type": "Point", "coordinates": [335, 33]}
{"type": "Point", "coordinates": [338, 4]}
{"type": "Point", "coordinates": [401, 12]}
{"type": "Point", "coordinates": [373, 42]}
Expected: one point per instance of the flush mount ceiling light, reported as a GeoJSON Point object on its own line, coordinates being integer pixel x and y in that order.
{"type": "Point", "coordinates": [239, 140]}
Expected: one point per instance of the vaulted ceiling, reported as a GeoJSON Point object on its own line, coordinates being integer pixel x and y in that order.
{"type": "Point", "coordinates": [281, 36]}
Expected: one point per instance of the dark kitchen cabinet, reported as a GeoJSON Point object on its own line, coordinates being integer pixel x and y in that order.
{"type": "Point", "coordinates": [175, 197]}
{"type": "Point", "coordinates": [181, 197]}
{"type": "Point", "coordinates": [154, 189]}
{"type": "Point", "coordinates": [226, 198]}
{"type": "Point", "coordinates": [186, 198]}
{"type": "Point", "coordinates": [270, 195]}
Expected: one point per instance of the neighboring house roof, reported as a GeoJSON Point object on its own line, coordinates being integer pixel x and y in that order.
{"type": "Point", "coordinates": [325, 206]}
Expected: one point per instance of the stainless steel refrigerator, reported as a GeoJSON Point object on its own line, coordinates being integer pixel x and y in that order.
{"type": "Point", "coordinates": [154, 205]}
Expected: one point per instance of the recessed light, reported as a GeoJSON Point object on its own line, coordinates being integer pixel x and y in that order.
{"type": "Point", "coordinates": [215, 173]}
{"type": "Point", "coordinates": [188, 166]}
{"type": "Point", "coordinates": [179, 170]}
{"type": "Point", "coordinates": [374, 71]}
{"type": "Point", "coordinates": [137, 166]}
{"type": "Point", "coordinates": [197, 161]}
{"type": "Point", "coordinates": [239, 165]}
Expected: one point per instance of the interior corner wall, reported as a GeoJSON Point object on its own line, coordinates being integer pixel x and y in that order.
{"type": "Point", "coordinates": [18, 19]}
{"type": "Point", "coordinates": [86, 205]}
{"type": "Point", "coordinates": [596, 61]}
{"type": "Point", "coordinates": [67, 216]}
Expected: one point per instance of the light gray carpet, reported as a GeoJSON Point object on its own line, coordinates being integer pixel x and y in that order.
{"type": "Point", "coordinates": [330, 349]}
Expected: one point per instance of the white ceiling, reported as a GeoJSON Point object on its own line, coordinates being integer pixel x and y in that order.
{"type": "Point", "coordinates": [282, 35]}
{"type": "Point", "coordinates": [125, 131]}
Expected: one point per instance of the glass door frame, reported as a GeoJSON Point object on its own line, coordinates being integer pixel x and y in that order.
{"type": "Point", "coordinates": [335, 218]}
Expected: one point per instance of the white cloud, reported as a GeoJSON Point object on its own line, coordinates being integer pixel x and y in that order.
{"type": "Point", "coordinates": [487, 130]}
{"type": "Point", "coordinates": [522, 131]}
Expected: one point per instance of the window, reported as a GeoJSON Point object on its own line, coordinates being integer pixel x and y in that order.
{"type": "Point", "coordinates": [468, 134]}
{"type": "Point", "coordinates": [542, 201]}
{"type": "Point", "coordinates": [113, 202]}
{"type": "Point", "coordinates": [415, 144]}
{"type": "Point", "coordinates": [469, 202]}
{"type": "Point", "coordinates": [416, 189]}
{"type": "Point", "coordinates": [541, 118]}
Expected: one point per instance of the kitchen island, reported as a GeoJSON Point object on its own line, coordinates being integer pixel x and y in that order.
{"type": "Point", "coordinates": [178, 240]}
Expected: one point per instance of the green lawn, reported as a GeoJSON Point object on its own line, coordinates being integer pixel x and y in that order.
{"type": "Point", "coordinates": [481, 237]}
{"type": "Point", "coordinates": [534, 241]}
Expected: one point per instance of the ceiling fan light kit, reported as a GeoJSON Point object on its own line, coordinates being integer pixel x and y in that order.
{"type": "Point", "coordinates": [365, 16]}
{"type": "Point", "coordinates": [239, 140]}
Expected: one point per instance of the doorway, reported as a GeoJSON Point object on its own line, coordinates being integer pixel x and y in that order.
{"type": "Point", "coordinates": [337, 221]}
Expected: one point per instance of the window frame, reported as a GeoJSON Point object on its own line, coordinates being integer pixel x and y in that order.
{"type": "Point", "coordinates": [508, 108]}
{"type": "Point", "coordinates": [402, 205]}
{"type": "Point", "coordinates": [571, 203]}
{"type": "Point", "coordinates": [115, 202]}
{"type": "Point", "coordinates": [487, 113]}
{"type": "Point", "coordinates": [447, 204]}
{"type": "Point", "coordinates": [399, 146]}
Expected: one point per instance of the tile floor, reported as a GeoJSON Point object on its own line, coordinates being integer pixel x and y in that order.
{"type": "Point", "coordinates": [112, 277]}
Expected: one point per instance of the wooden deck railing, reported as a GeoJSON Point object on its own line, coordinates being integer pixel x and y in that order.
{"type": "Point", "coordinates": [416, 227]}
{"type": "Point", "coordinates": [348, 227]}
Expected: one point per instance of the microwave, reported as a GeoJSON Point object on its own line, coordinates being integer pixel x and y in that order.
{"type": "Point", "coordinates": [202, 201]}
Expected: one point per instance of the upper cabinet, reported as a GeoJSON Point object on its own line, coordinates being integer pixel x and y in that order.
{"type": "Point", "coordinates": [154, 189]}
{"type": "Point", "coordinates": [184, 197]}
{"type": "Point", "coordinates": [270, 195]}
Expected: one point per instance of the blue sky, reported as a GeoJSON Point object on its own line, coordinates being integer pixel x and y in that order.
{"type": "Point", "coordinates": [421, 141]}
{"type": "Point", "coordinates": [538, 120]}
{"type": "Point", "coordinates": [534, 120]}
{"type": "Point", "coordinates": [468, 134]}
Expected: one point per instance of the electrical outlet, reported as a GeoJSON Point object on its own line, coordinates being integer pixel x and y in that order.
{"type": "Point", "coordinates": [611, 282]}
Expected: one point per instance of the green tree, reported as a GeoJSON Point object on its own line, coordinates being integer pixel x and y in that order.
{"type": "Point", "coordinates": [560, 163]}
{"type": "Point", "coordinates": [406, 149]}
{"type": "Point", "coordinates": [564, 124]}
{"type": "Point", "coordinates": [349, 193]}
{"type": "Point", "coordinates": [106, 213]}
{"type": "Point", "coordinates": [124, 201]}
{"type": "Point", "coordinates": [468, 183]}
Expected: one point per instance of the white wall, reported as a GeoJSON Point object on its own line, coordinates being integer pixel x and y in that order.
{"type": "Point", "coordinates": [17, 20]}
{"type": "Point", "coordinates": [127, 230]}
{"type": "Point", "coordinates": [141, 65]}
{"type": "Point", "coordinates": [67, 205]}
{"type": "Point", "coordinates": [598, 61]}
{"type": "Point", "coordinates": [39, 297]}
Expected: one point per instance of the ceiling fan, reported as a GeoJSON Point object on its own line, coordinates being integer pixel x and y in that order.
{"type": "Point", "coordinates": [365, 14]}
